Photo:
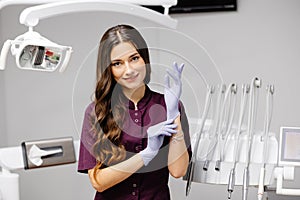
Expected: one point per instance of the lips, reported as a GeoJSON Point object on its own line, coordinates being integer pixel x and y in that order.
{"type": "Point", "coordinates": [131, 78]}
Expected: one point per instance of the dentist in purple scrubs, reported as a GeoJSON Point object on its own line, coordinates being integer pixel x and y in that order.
{"type": "Point", "coordinates": [132, 137]}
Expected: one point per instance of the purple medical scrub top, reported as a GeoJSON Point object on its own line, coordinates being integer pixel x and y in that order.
{"type": "Point", "coordinates": [150, 182]}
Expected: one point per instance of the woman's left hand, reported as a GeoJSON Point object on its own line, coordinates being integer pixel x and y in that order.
{"type": "Point", "coordinates": [173, 93]}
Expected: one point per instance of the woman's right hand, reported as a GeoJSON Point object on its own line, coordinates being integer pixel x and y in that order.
{"type": "Point", "coordinates": [173, 92]}
{"type": "Point", "coordinates": [156, 135]}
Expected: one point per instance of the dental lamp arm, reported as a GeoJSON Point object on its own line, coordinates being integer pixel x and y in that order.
{"type": "Point", "coordinates": [4, 53]}
{"type": "Point", "coordinates": [65, 64]}
{"type": "Point", "coordinates": [31, 16]}
{"type": "Point", "coordinates": [164, 3]}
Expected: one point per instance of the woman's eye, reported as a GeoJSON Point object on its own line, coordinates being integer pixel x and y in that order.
{"type": "Point", "coordinates": [135, 58]}
{"type": "Point", "coordinates": [116, 64]}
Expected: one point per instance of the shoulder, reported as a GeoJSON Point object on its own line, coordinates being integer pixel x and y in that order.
{"type": "Point", "coordinates": [157, 97]}
{"type": "Point", "coordinates": [89, 112]}
{"type": "Point", "coordinates": [90, 108]}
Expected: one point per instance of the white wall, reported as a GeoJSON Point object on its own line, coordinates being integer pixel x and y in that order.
{"type": "Point", "coordinates": [260, 39]}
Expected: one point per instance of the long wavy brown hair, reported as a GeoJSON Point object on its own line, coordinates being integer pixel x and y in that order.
{"type": "Point", "coordinates": [109, 107]}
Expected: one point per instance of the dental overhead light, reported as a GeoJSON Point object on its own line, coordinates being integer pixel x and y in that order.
{"type": "Point", "coordinates": [34, 52]}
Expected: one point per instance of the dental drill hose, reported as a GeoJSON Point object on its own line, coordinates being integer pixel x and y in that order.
{"type": "Point", "coordinates": [231, 183]}
{"type": "Point", "coordinates": [190, 172]}
{"type": "Point", "coordinates": [268, 117]}
{"type": "Point", "coordinates": [261, 184]}
{"type": "Point", "coordinates": [214, 141]}
{"type": "Point", "coordinates": [190, 175]}
{"type": "Point", "coordinates": [255, 84]}
{"type": "Point", "coordinates": [245, 183]}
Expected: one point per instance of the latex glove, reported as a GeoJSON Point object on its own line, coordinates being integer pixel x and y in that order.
{"type": "Point", "coordinates": [156, 135]}
{"type": "Point", "coordinates": [173, 93]}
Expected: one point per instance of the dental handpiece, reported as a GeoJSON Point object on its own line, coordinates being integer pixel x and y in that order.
{"type": "Point", "coordinates": [218, 165]}
{"type": "Point", "coordinates": [206, 165]}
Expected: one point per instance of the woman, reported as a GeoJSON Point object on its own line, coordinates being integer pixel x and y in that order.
{"type": "Point", "coordinates": [132, 137]}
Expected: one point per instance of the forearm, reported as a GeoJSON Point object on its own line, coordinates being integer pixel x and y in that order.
{"type": "Point", "coordinates": [110, 176]}
{"type": "Point", "coordinates": [178, 157]}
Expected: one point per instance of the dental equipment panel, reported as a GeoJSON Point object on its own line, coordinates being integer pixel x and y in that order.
{"type": "Point", "coordinates": [289, 148]}
{"type": "Point", "coordinates": [289, 158]}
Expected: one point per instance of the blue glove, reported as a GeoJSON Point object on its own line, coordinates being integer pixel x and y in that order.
{"type": "Point", "coordinates": [172, 93]}
{"type": "Point", "coordinates": [156, 135]}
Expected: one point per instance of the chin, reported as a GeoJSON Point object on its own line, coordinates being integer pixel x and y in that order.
{"type": "Point", "coordinates": [134, 86]}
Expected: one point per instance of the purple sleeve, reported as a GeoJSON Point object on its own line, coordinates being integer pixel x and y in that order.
{"type": "Point", "coordinates": [86, 160]}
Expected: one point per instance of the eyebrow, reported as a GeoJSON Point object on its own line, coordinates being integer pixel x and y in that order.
{"type": "Point", "coordinates": [132, 55]}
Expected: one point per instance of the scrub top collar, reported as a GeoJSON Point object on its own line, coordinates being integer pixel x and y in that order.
{"type": "Point", "coordinates": [142, 102]}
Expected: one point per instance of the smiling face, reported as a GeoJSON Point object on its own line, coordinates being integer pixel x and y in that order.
{"type": "Point", "coordinates": [128, 67]}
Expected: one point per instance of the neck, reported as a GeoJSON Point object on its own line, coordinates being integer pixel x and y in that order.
{"type": "Point", "coordinates": [136, 94]}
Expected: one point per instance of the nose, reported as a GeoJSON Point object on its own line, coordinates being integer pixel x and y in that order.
{"type": "Point", "coordinates": [129, 69]}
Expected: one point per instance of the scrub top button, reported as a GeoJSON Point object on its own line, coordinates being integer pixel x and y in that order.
{"type": "Point", "coordinates": [133, 193]}
{"type": "Point", "coordinates": [138, 148]}
{"type": "Point", "coordinates": [136, 120]}
{"type": "Point", "coordinates": [136, 114]}
{"type": "Point", "coordinates": [134, 185]}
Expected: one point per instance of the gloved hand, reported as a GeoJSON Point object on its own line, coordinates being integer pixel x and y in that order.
{"type": "Point", "coordinates": [156, 135]}
{"type": "Point", "coordinates": [172, 93]}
